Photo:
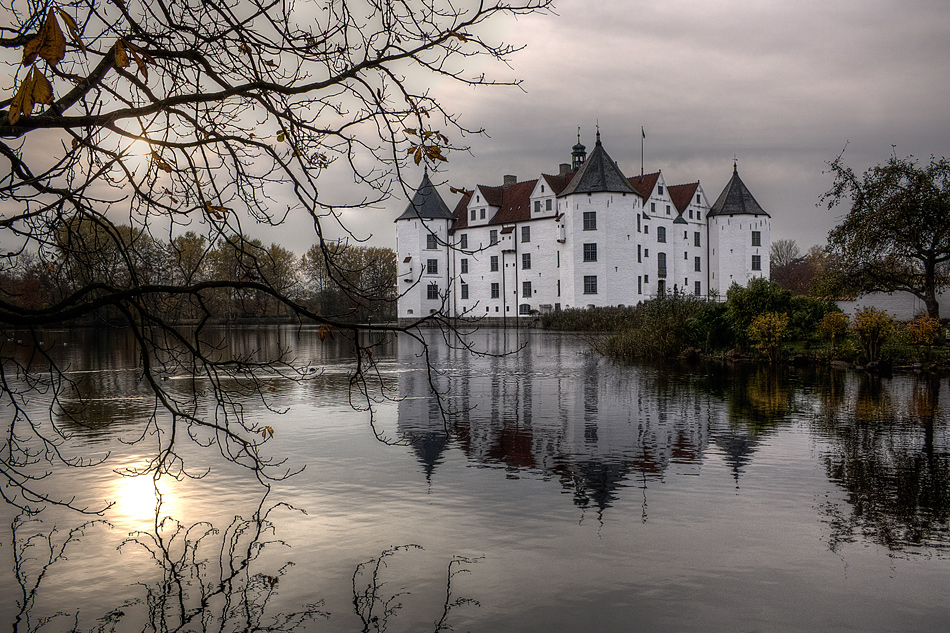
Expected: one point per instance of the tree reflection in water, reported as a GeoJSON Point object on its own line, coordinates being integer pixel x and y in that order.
{"type": "Point", "coordinates": [204, 578]}
{"type": "Point", "coordinates": [895, 466]}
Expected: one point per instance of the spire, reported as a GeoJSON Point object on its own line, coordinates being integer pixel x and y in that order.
{"type": "Point", "coordinates": [736, 199]}
{"type": "Point", "coordinates": [579, 153]}
{"type": "Point", "coordinates": [599, 173]}
{"type": "Point", "coordinates": [426, 203]}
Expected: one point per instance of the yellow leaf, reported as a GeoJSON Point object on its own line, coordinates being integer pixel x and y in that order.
{"type": "Point", "coordinates": [280, 137]}
{"type": "Point", "coordinates": [418, 156]}
{"type": "Point", "coordinates": [73, 29]}
{"type": "Point", "coordinates": [121, 57]}
{"type": "Point", "coordinates": [48, 43]}
{"type": "Point", "coordinates": [35, 88]}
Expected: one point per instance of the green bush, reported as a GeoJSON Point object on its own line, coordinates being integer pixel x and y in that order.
{"type": "Point", "coordinates": [758, 297]}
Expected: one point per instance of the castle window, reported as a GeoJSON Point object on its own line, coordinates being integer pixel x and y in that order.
{"type": "Point", "coordinates": [659, 190]}
{"type": "Point", "coordinates": [463, 240]}
{"type": "Point", "coordinates": [590, 284]}
{"type": "Point", "coordinates": [696, 241]}
{"type": "Point", "coordinates": [590, 252]}
{"type": "Point", "coordinates": [638, 223]}
{"type": "Point", "coordinates": [526, 289]}
{"type": "Point", "coordinates": [431, 241]}
{"type": "Point", "coordinates": [698, 288]}
{"type": "Point", "coordinates": [432, 266]}
{"type": "Point", "coordinates": [537, 206]}
{"type": "Point", "coordinates": [756, 262]}
{"type": "Point", "coordinates": [481, 214]}
{"type": "Point", "coordinates": [660, 234]}
{"type": "Point", "coordinates": [697, 264]}
{"type": "Point", "coordinates": [493, 236]}
{"type": "Point", "coordinates": [474, 216]}
{"type": "Point", "coordinates": [652, 207]}
{"type": "Point", "coordinates": [639, 254]}
{"type": "Point", "coordinates": [690, 214]}
{"type": "Point", "coordinates": [524, 308]}
{"type": "Point", "coordinates": [526, 261]}
{"type": "Point", "coordinates": [756, 238]}
{"type": "Point", "coordinates": [547, 204]}
{"type": "Point", "coordinates": [432, 292]}
{"type": "Point", "coordinates": [639, 285]}
{"type": "Point", "coordinates": [494, 263]}
{"type": "Point", "coordinates": [464, 265]}
{"type": "Point", "coordinates": [667, 209]}
{"type": "Point", "coordinates": [661, 265]}
{"type": "Point", "coordinates": [494, 291]}
{"type": "Point", "coordinates": [590, 220]}
{"type": "Point", "coordinates": [526, 231]}
{"type": "Point", "coordinates": [464, 291]}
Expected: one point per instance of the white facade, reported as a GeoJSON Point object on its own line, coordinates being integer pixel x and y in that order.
{"type": "Point", "coordinates": [588, 236]}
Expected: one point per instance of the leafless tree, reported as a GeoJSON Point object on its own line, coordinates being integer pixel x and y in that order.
{"type": "Point", "coordinates": [201, 118]}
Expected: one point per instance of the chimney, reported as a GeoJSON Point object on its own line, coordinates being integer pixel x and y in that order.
{"type": "Point", "coordinates": [564, 168]}
{"type": "Point", "coordinates": [509, 180]}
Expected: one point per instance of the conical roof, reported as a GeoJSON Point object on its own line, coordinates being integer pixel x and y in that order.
{"type": "Point", "coordinates": [426, 204]}
{"type": "Point", "coordinates": [736, 199]}
{"type": "Point", "coordinates": [599, 173]}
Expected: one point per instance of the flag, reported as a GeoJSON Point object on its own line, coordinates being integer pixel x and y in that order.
{"type": "Point", "coordinates": [642, 132]}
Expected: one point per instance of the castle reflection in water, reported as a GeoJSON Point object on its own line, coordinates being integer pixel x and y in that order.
{"type": "Point", "coordinates": [555, 409]}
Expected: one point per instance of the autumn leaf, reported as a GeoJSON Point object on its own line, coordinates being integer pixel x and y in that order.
{"type": "Point", "coordinates": [35, 88]}
{"type": "Point", "coordinates": [325, 331]}
{"type": "Point", "coordinates": [280, 137]}
{"type": "Point", "coordinates": [140, 57]}
{"type": "Point", "coordinates": [73, 29]}
{"type": "Point", "coordinates": [121, 56]}
{"type": "Point", "coordinates": [48, 43]}
{"type": "Point", "coordinates": [217, 212]}
{"type": "Point", "coordinates": [267, 431]}
{"type": "Point", "coordinates": [270, 63]}
{"type": "Point", "coordinates": [160, 162]}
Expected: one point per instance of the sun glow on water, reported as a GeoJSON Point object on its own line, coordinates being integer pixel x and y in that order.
{"type": "Point", "coordinates": [136, 500]}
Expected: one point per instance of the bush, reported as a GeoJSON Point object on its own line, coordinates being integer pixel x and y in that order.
{"type": "Point", "coordinates": [924, 331]}
{"type": "Point", "coordinates": [760, 296]}
{"type": "Point", "coordinates": [805, 316]}
{"type": "Point", "coordinates": [833, 328]}
{"type": "Point", "coordinates": [766, 333]}
{"type": "Point", "coordinates": [873, 327]}
{"type": "Point", "coordinates": [663, 328]}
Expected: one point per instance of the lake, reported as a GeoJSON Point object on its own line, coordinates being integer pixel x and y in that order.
{"type": "Point", "coordinates": [547, 489]}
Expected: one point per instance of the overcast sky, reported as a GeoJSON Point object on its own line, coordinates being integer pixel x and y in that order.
{"type": "Point", "coordinates": [782, 86]}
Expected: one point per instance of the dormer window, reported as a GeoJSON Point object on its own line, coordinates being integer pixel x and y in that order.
{"type": "Point", "coordinates": [698, 199]}
{"type": "Point", "coordinates": [659, 189]}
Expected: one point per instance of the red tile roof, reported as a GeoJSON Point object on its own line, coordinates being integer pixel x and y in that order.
{"type": "Point", "coordinates": [645, 184]}
{"type": "Point", "coordinates": [515, 203]}
{"type": "Point", "coordinates": [682, 195]}
{"type": "Point", "coordinates": [461, 211]}
{"type": "Point", "coordinates": [559, 182]}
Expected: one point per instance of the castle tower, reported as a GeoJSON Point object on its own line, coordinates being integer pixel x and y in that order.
{"type": "Point", "coordinates": [423, 255]}
{"type": "Point", "coordinates": [739, 237]}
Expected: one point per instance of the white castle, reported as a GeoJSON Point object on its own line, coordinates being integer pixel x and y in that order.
{"type": "Point", "coordinates": [586, 237]}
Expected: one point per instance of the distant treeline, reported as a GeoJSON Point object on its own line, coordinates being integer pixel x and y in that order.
{"type": "Point", "coordinates": [338, 280]}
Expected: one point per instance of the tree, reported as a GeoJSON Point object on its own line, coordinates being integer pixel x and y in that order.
{"type": "Point", "coordinates": [192, 121]}
{"type": "Point", "coordinates": [896, 235]}
{"type": "Point", "coordinates": [783, 253]}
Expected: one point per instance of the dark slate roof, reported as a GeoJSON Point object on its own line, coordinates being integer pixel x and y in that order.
{"type": "Point", "coordinates": [736, 199]}
{"type": "Point", "coordinates": [598, 174]}
{"type": "Point", "coordinates": [426, 204]}
{"type": "Point", "coordinates": [645, 184]}
{"type": "Point", "coordinates": [682, 195]}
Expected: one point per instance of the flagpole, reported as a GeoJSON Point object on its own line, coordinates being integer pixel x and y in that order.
{"type": "Point", "coordinates": [643, 135]}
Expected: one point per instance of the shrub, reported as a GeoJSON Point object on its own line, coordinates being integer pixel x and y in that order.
{"type": "Point", "coordinates": [766, 333]}
{"type": "Point", "coordinates": [759, 296]}
{"type": "Point", "coordinates": [924, 331]}
{"type": "Point", "coordinates": [833, 328]}
{"type": "Point", "coordinates": [805, 315]}
{"type": "Point", "coordinates": [873, 327]}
